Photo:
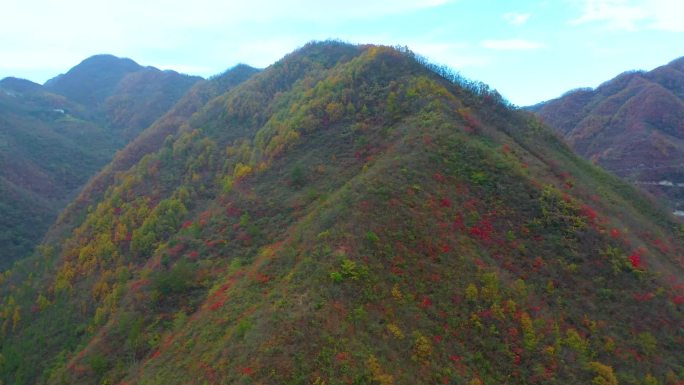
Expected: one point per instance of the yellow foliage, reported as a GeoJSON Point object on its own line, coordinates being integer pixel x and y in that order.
{"type": "Point", "coordinates": [42, 302]}
{"type": "Point", "coordinates": [650, 380]}
{"type": "Point", "coordinates": [241, 170]}
{"type": "Point", "coordinates": [396, 292]}
{"type": "Point", "coordinates": [267, 252]}
{"type": "Point", "coordinates": [377, 372]}
{"type": "Point", "coordinates": [396, 331]}
{"type": "Point", "coordinates": [120, 232]}
{"type": "Point", "coordinates": [604, 374]}
{"type": "Point", "coordinates": [16, 318]}
{"type": "Point", "coordinates": [101, 289]}
{"type": "Point", "coordinates": [497, 311]}
{"type": "Point", "coordinates": [422, 348]}
{"type": "Point", "coordinates": [471, 293]}
{"type": "Point", "coordinates": [529, 337]}
{"type": "Point", "coordinates": [335, 111]}
{"type": "Point", "coordinates": [64, 278]}
{"type": "Point", "coordinates": [609, 346]}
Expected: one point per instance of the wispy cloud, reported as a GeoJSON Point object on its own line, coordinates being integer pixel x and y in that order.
{"type": "Point", "coordinates": [632, 15]}
{"type": "Point", "coordinates": [618, 14]}
{"type": "Point", "coordinates": [516, 18]}
{"type": "Point", "coordinates": [511, 45]}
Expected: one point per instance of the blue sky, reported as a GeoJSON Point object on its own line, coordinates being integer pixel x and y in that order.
{"type": "Point", "coordinates": [530, 50]}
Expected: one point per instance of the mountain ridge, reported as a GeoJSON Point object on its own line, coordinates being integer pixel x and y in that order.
{"type": "Point", "coordinates": [632, 125]}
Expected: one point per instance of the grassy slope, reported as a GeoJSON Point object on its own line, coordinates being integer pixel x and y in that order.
{"type": "Point", "coordinates": [348, 216]}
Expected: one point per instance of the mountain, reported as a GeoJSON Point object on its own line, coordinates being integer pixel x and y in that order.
{"type": "Point", "coordinates": [632, 125]}
{"type": "Point", "coordinates": [149, 141]}
{"type": "Point", "coordinates": [351, 214]}
{"type": "Point", "coordinates": [53, 138]}
{"type": "Point", "coordinates": [130, 97]}
{"type": "Point", "coordinates": [49, 147]}
{"type": "Point", "coordinates": [93, 80]}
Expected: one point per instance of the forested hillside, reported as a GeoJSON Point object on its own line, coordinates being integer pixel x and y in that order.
{"type": "Point", "coordinates": [632, 125]}
{"type": "Point", "coordinates": [53, 138]}
{"type": "Point", "coordinates": [351, 214]}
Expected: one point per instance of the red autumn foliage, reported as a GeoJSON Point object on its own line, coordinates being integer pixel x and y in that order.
{"type": "Point", "coordinates": [247, 371]}
{"type": "Point", "coordinates": [218, 304]}
{"type": "Point", "coordinates": [262, 278]}
{"type": "Point", "coordinates": [517, 359]}
{"type": "Point", "coordinates": [635, 260]}
{"type": "Point", "coordinates": [537, 264]}
{"type": "Point", "coordinates": [186, 224]}
{"type": "Point", "coordinates": [643, 297]}
{"type": "Point", "coordinates": [204, 217]}
{"type": "Point", "coordinates": [482, 230]}
{"type": "Point", "coordinates": [175, 250]}
{"type": "Point", "coordinates": [661, 245]}
{"type": "Point", "coordinates": [137, 285]}
{"type": "Point", "coordinates": [426, 302]}
{"type": "Point", "coordinates": [588, 213]}
{"type": "Point", "coordinates": [233, 211]}
{"type": "Point", "coordinates": [445, 202]}
{"type": "Point", "coordinates": [458, 222]}
{"type": "Point", "coordinates": [438, 177]}
{"type": "Point", "coordinates": [615, 233]}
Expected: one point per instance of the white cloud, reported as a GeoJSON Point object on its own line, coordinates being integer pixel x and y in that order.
{"type": "Point", "coordinates": [516, 18]}
{"type": "Point", "coordinates": [58, 34]}
{"type": "Point", "coordinates": [511, 45]}
{"type": "Point", "coordinates": [632, 15]}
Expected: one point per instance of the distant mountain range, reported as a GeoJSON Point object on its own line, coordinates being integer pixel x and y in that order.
{"type": "Point", "coordinates": [53, 138]}
{"type": "Point", "coordinates": [632, 125]}
{"type": "Point", "coordinates": [352, 214]}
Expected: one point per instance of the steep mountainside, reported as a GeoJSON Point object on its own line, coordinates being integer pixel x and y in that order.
{"type": "Point", "coordinates": [352, 214]}
{"type": "Point", "coordinates": [53, 139]}
{"type": "Point", "coordinates": [632, 125]}
{"type": "Point", "coordinates": [149, 141]}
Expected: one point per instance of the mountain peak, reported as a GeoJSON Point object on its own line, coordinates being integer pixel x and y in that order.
{"type": "Point", "coordinates": [19, 85]}
{"type": "Point", "coordinates": [92, 80]}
